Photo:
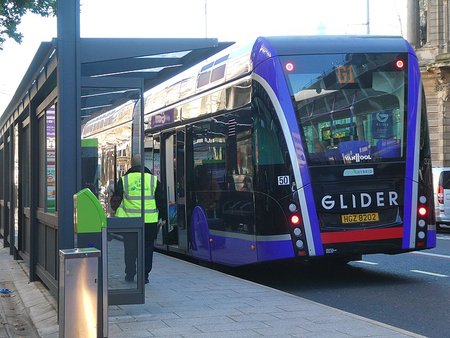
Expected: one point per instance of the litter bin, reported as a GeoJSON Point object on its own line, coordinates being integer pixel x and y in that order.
{"type": "Point", "coordinates": [78, 292]}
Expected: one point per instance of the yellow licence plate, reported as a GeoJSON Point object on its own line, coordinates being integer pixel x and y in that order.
{"type": "Point", "coordinates": [360, 218]}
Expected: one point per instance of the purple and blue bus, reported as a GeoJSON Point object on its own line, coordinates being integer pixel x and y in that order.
{"type": "Point", "coordinates": [288, 148]}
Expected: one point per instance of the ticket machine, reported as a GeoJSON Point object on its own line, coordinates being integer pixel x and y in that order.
{"type": "Point", "coordinates": [89, 219]}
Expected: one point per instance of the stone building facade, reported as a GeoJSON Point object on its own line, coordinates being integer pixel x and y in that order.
{"type": "Point", "coordinates": [429, 32]}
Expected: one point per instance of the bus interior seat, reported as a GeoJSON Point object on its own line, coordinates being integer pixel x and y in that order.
{"type": "Point", "coordinates": [354, 147]}
{"type": "Point", "coordinates": [388, 148]}
{"type": "Point", "coordinates": [333, 154]}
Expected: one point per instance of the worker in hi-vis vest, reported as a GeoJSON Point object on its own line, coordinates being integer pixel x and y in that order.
{"type": "Point", "coordinates": [129, 188]}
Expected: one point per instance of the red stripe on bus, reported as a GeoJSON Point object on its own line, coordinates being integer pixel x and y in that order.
{"type": "Point", "coordinates": [361, 235]}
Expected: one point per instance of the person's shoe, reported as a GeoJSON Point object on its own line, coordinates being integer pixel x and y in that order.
{"type": "Point", "coordinates": [129, 278]}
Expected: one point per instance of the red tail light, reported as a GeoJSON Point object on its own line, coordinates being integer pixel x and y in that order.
{"type": "Point", "coordinates": [440, 194]}
{"type": "Point", "coordinates": [295, 220]}
{"type": "Point", "coordinates": [422, 211]}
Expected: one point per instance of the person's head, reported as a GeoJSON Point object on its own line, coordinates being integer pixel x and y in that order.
{"type": "Point", "coordinates": [136, 160]}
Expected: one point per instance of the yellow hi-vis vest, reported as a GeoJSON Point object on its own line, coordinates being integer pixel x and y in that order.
{"type": "Point", "coordinates": [131, 202]}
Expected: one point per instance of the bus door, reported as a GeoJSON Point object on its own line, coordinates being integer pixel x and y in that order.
{"type": "Point", "coordinates": [173, 174]}
{"type": "Point", "coordinates": [222, 212]}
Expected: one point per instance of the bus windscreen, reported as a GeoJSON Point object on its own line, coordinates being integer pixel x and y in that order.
{"type": "Point", "coordinates": [350, 107]}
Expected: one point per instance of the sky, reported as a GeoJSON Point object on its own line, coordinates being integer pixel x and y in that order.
{"type": "Point", "coordinates": [231, 20]}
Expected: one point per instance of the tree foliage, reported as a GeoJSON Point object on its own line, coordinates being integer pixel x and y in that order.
{"type": "Point", "coordinates": [12, 11]}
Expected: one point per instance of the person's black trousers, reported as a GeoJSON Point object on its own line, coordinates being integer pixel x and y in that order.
{"type": "Point", "coordinates": [130, 246]}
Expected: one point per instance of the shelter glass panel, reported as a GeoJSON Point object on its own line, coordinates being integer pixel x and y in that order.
{"type": "Point", "coordinates": [25, 155]}
{"type": "Point", "coordinates": [41, 164]}
{"type": "Point", "coordinates": [50, 125]}
{"type": "Point", "coordinates": [2, 172]}
{"type": "Point", "coordinates": [15, 197]}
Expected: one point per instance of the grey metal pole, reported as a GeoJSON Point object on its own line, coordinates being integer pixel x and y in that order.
{"type": "Point", "coordinates": [368, 17]}
{"type": "Point", "coordinates": [104, 299]}
{"type": "Point", "coordinates": [206, 19]}
{"type": "Point", "coordinates": [412, 8]}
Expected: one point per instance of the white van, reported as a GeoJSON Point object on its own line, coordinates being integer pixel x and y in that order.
{"type": "Point", "coordinates": [441, 182]}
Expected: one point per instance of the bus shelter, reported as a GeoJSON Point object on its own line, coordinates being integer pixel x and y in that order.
{"type": "Point", "coordinates": [43, 161]}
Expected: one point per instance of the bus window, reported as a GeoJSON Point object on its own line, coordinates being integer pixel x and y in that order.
{"type": "Point", "coordinates": [267, 132]}
{"type": "Point", "coordinates": [209, 147]}
{"type": "Point", "coordinates": [152, 158]}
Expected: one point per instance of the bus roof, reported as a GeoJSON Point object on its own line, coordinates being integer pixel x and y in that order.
{"type": "Point", "coordinates": [338, 44]}
{"type": "Point", "coordinates": [239, 59]}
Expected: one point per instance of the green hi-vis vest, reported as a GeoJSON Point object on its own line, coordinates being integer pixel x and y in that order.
{"type": "Point", "coordinates": [131, 202]}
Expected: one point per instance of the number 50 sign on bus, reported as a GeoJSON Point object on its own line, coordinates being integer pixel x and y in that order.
{"type": "Point", "coordinates": [283, 180]}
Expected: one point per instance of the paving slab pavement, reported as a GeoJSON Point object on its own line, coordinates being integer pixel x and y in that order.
{"type": "Point", "coordinates": [34, 314]}
{"type": "Point", "coordinates": [188, 300]}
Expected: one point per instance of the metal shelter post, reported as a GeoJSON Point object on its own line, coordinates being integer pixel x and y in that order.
{"type": "Point", "coordinates": [68, 118]}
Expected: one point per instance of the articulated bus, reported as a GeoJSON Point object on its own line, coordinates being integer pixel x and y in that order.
{"type": "Point", "coordinates": [285, 148]}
